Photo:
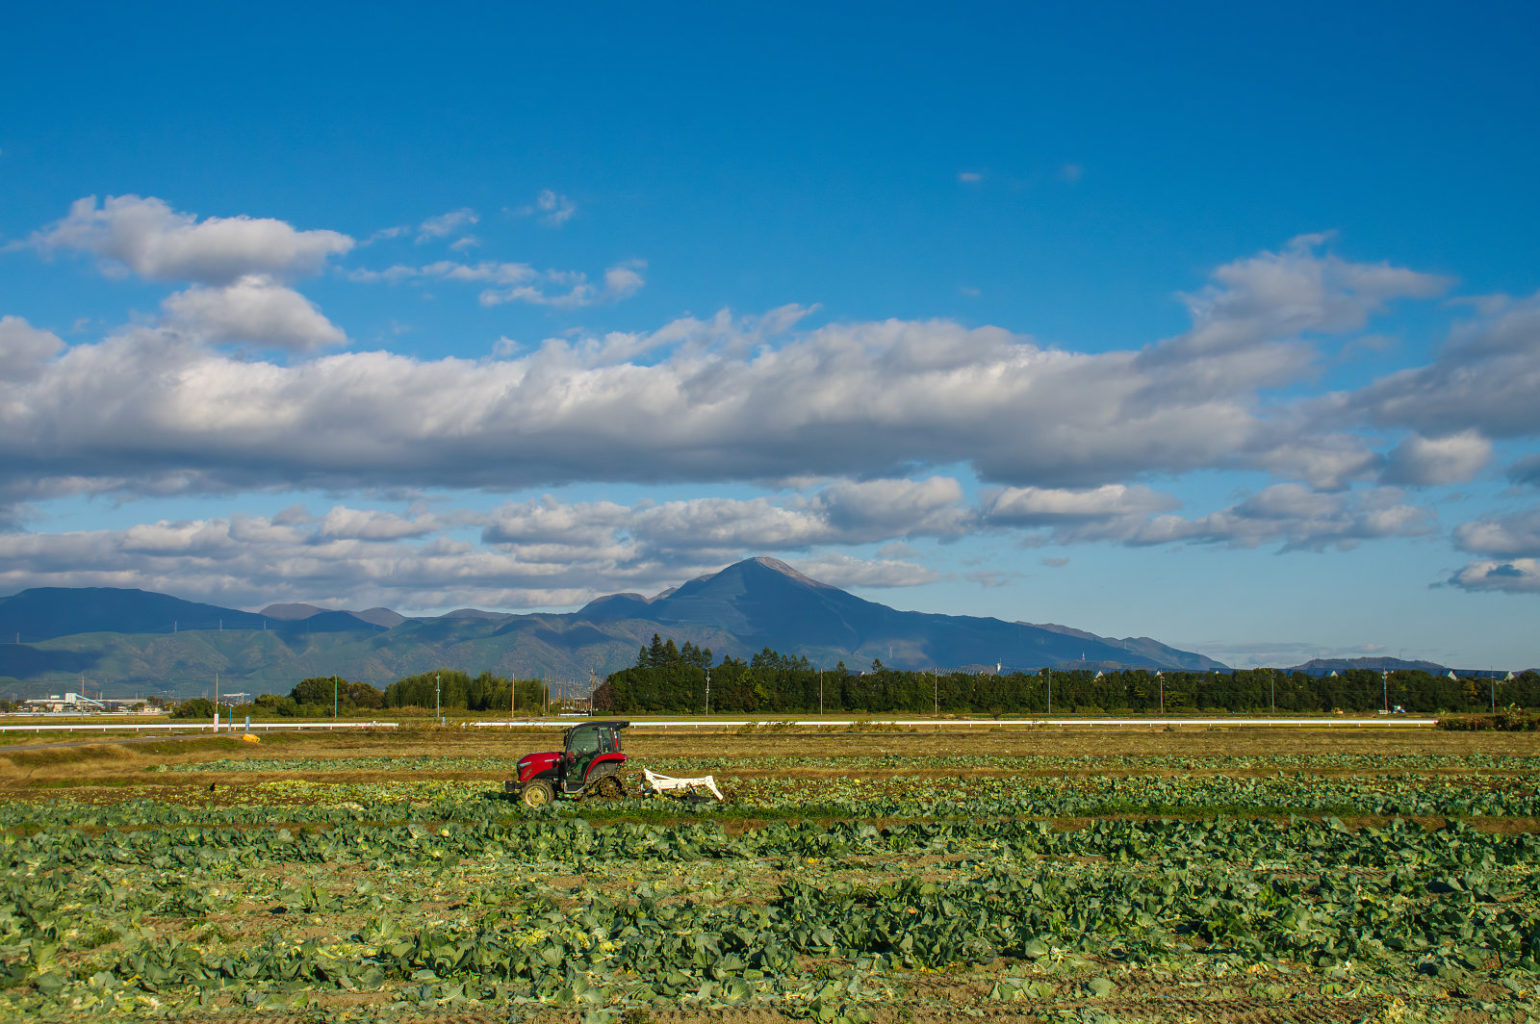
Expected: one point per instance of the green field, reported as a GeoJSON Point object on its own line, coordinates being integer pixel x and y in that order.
{"type": "Point", "coordinates": [868, 875]}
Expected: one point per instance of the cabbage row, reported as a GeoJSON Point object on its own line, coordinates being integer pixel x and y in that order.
{"type": "Point", "coordinates": [820, 899]}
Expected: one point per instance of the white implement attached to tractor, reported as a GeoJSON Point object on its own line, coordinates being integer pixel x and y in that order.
{"type": "Point", "coordinates": [668, 784]}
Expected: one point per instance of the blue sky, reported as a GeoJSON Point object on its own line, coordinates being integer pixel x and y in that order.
{"type": "Point", "coordinates": [1208, 323]}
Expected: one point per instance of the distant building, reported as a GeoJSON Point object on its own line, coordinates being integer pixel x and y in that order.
{"type": "Point", "coordinates": [70, 703]}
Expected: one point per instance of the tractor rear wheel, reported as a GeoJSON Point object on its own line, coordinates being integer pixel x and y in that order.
{"type": "Point", "coordinates": [537, 794]}
{"type": "Point", "coordinates": [610, 787]}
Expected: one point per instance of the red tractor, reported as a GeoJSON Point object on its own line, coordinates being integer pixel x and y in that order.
{"type": "Point", "coordinates": [588, 763]}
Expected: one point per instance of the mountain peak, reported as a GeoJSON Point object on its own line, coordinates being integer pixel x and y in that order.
{"type": "Point", "coordinates": [776, 565]}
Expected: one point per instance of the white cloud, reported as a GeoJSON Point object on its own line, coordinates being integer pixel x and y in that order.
{"type": "Point", "coordinates": [446, 224]}
{"type": "Point", "coordinates": [1519, 576]}
{"type": "Point", "coordinates": [253, 309]}
{"type": "Point", "coordinates": [343, 523]}
{"type": "Point", "coordinates": [350, 557]}
{"type": "Point", "coordinates": [1484, 379]}
{"type": "Point", "coordinates": [146, 237]}
{"type": "Point", "coordinates": [251, 561]}
{"type": "Point", "coordinates": [1422, 462]}
{"type": "Point", "coordinates": [729, 398]}
{"type": "Point", "coordinates": [551, 207]}
{"type": "Point", "coordinates": [624, 279]}
{"type": "Point", "coordinates": [1297, 518]}
{"type": "Point", "coordinates": [725, 529]}
{"type": "Point", "coordinates": [1046, 506]}
{"type": "Point", "coordinates": [722, 399]}
{"type": "Point", "coordinates": [845, 571]}
{"type": "Point", "coordinates": [520, 282]}
{"type": "Point", "coordinates": [1290, 446]}
{"type": "Point", "coordinates": [969, 177]}
{"type": "Point", "coordinates": [1280, 296]}
{"type": "Point", "coordinates": [25, 350]}
{"type": "Point", "coordinates": [1503, 537]}
{"type": "Point", "coordinates": [1288, 514]}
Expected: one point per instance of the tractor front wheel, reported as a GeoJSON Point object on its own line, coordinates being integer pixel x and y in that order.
{"type": "Point", "coordinates": [537, 794]}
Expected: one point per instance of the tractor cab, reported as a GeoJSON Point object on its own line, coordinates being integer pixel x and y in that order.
{"type": "Point", "coordinates": [589, 762]}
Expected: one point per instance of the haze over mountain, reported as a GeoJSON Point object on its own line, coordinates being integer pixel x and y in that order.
{"type": "Point", "coordinates": [125, 641]}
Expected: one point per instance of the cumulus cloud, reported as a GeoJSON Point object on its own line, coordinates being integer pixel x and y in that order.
{"type": "Point", "coordinates": [725, 529]}
{"type": "Point", "coordinates": [1047, 506]}
{"type": "Point", "coordinates": [1422, 462]}
{"type": "Point", "coordinates": [864, 399]}
{"type": "Point", "coordinates": [253, 309]}
{"type": "Point", "coordinates": [1519, 576]}
{"type": "Point", "coordinates": [343, 523]}
{"type": "Point", "coordinates": [1291, 445]}
{"type": "Point", "coordinates": [1298, 518]}
{"type": "Point", "coordinates": [146, 237]}
{"type": "Point", "coordinates": [352, 557]}
{"type": "Point", "coordinates": [25, 350]}
{"type": "Point", "coordinates": [871, 405]}
{"type": "Point", "coordinates": [1503, 536]}
{"type": "Point", "coordinates": [1286, 294]}
{"type": "Point", "coordinates": [251, 561]}
{"type": "Point", "coordinates": [719, 399]}
{"type": "Point", "coordinates": [1484, 379]}
{"type": "Point", "coordinates": [1288, 514]}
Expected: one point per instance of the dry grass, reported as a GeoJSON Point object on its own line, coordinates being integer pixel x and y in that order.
{"type": "Point", "coordinates": [111, 763]}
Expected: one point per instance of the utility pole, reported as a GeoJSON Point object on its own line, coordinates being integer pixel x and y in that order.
{"type": "Point", "coordinates": [935, 693]}
{"type": "Point", "coordinates": [436, 713]}
{"type": "Point", "coordinates": [513, 700]}
{"type": "Point", "coordinates": [216, 701]}
{"type": "Point", "coordinates": [1385, 689]}
{"type": "Point", "coordinates": [1161, 678]}
{"type": "Point", "coordinates": [708, 691]}
{"type": "Point", "coordinates": [1494, 693]}
{"type": "Point", "coordinates": [820, 691]}
{"type": "Point", "coordinates": [1272, 684]}
{"type": "Point", "coordinates": [334, 696]}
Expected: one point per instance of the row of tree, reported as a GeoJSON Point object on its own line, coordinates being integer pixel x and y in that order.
{"type": "Point", "coordinates": [772, 683]}
{"type": "Point", "coordinates": [672, 679]}
{"type": "Point", "coordinates": [452, 690]}
{"type": "Point", "coordinates": [445, 689]}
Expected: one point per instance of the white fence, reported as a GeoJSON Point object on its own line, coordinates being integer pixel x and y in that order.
{"type": "Point", "coordinates": [222, 727]}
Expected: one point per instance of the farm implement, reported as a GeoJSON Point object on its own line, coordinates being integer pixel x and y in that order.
{"type": "Point", "coordinates": [589, 764]}
{"type": "Point", "coordinates": [690, 787]}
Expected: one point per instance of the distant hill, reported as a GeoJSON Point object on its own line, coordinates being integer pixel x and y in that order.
{"type": "Point", "coordinates": [132, 641]}
{"type": "Point", "coordinates": [1326, 666]}
{"type": "Point", "coordinates": [46, 612]}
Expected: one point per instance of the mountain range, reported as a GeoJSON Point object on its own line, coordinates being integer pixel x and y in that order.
{"type": "Point", "coordinates": [125, 642]}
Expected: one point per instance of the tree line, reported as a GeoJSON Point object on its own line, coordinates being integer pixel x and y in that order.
{"type": "Point", "coordinates": [773, 683]}
{"type": "Point", "coordinates": [446, 689]}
